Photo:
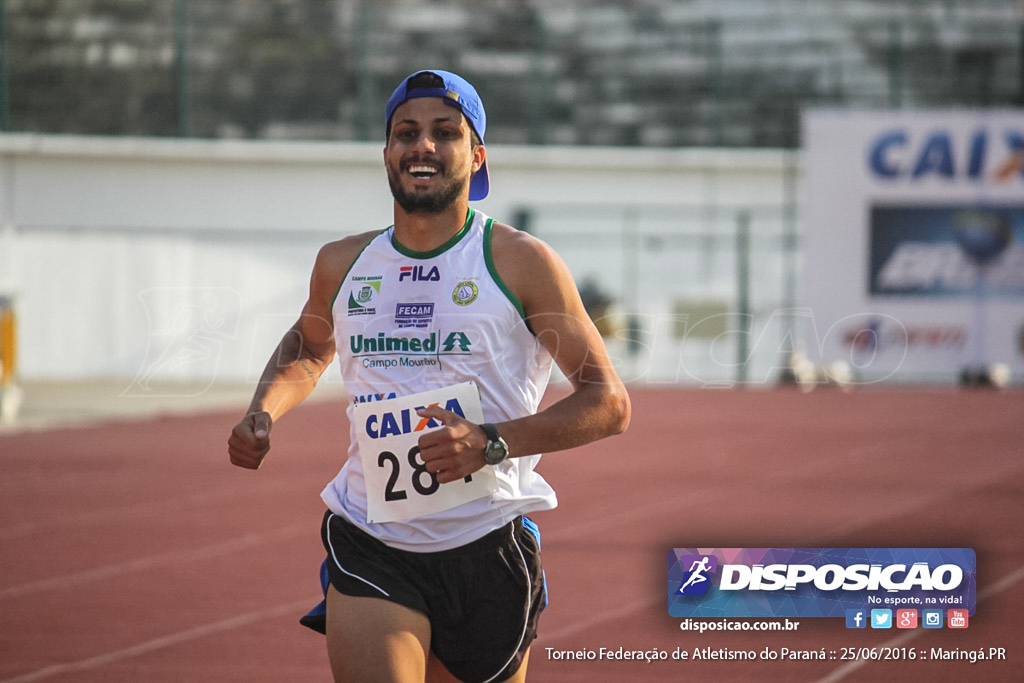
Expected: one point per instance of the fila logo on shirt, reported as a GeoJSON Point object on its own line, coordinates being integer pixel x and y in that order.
{"type": "Point", "coordinates": [419, 274]}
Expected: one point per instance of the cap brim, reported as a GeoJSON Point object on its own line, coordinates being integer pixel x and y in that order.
{"type": "Point", "coordinates": [480, 184]}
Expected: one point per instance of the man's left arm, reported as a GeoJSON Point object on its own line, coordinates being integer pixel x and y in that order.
{"type": "Point", "coordinates": [598, 405]}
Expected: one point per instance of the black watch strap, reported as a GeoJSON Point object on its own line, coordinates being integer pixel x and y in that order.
{"type": "Point", "coordinates": [491, 431]}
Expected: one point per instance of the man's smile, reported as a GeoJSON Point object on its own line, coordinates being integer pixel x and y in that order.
{"type": "Point", "coordinates": [422, 171]}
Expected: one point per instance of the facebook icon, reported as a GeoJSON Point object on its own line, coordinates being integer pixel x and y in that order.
{"type": "Point", "coordinates": [856, 618]}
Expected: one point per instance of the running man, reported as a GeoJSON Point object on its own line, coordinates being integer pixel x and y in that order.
{"type": "Point", "coordinates": [698, 569]}
{"type": "Point", "coordinates": [446, 325]}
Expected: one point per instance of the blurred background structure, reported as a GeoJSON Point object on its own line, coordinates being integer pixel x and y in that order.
{"type": "Point", "coordinates": [746, 191]}
{"type": "Point", "coordinates": [662, 73]}
{"type": "Point", "coordinates": [168, 169]}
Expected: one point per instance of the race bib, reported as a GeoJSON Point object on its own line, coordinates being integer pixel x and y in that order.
{"type": "Point", "coordinates": [398, 485]}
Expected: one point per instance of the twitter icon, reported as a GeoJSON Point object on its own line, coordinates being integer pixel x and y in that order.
{"type": "Point", "coordinates": [881, 618]}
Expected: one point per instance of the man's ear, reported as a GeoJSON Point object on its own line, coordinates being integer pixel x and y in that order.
{"type": "Point", "coordinates": [479, 157]}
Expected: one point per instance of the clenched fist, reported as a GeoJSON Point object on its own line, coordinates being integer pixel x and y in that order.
{"type": "Point", "coordinates": [250, 440]}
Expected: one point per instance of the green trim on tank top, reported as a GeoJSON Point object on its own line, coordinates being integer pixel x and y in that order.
{"type": "Point", "coordinates": [489, 260]}
{"type": "Point", "coordinates": [405, 251]}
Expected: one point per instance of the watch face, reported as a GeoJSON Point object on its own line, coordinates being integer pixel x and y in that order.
{"type": "Point", "coordinates": [495, 453]}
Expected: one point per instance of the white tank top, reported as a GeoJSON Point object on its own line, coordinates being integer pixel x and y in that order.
{"type": "Point", "coordinates": [407, 322]}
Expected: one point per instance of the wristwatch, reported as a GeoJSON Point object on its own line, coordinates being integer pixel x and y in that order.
{"type": "Point", "coordinates": [496, 449]}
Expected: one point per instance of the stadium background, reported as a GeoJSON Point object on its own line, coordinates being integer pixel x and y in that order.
{"type": "Point", "coordinates": [655, 145]}
{"type": "Point", "coordinates": [167, 171]}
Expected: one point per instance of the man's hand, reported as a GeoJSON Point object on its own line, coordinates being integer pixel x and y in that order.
{"type": "Point", "coordinates": [250, 440]}
{"type": "Point", "coordinates": [456, 450]}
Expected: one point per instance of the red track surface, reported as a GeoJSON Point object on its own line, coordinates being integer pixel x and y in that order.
{"type": "Point", "coordinates": [135, 552]}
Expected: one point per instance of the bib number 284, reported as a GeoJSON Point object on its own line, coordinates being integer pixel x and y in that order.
{"type": "Point", "coordinates": [398, 485]}
{"type": "Point", "coordinates": [423, 482]}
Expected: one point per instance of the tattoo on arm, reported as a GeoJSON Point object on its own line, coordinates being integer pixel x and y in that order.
{"type": "Point", "coordinates": [310, 371]}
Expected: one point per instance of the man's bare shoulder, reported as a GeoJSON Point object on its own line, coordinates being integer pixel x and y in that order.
{"type": "Point", "coordinates": [527, 265]}
{"type": "Point", "coordinates": [333, 262]}
{"type": "Point", "coordinates": [338, 256]}
{"type": "Point", "coordinates": [514, 246]}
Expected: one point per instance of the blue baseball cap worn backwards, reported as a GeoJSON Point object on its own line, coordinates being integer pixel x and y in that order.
{"type": "Point", "coordinates": [458, 93]}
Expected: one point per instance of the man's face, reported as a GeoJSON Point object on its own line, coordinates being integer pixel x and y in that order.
{"type": "Point", "coordinates": [429, 155]}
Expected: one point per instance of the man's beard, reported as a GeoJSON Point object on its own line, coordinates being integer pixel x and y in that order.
{"type": "Point", "coordinates": [436, 201]}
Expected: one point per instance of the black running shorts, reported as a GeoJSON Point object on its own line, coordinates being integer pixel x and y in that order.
{"type": "Point", "coordinates": [483, 599]}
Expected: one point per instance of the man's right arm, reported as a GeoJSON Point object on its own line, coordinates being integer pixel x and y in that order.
{"type": "Point", "coordinates": [302, 356]}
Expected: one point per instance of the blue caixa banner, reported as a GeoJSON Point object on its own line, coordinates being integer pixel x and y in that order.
{"type": "Point", "coordinates": [817, 582]}
{"type": "Point", "coordinates": [935, 251]}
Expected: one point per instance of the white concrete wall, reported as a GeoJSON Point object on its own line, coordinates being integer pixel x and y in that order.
{"type": "Point", "coordinates": [182, 259]}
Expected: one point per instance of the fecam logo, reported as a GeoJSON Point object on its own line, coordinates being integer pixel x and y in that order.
{"type": "Point", "coordinates": [696, 580]}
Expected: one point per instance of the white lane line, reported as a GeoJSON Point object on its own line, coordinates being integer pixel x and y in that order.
{"type": "Point", "coordinates": [1003, 584]}
{"type": "Point", "coordinates": [143, 563]}
{"type": "Point", "coordinates": [164, 641]}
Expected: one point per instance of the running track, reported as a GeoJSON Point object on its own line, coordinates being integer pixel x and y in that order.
{"type": "Point", "coordinates": [133, 551]}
